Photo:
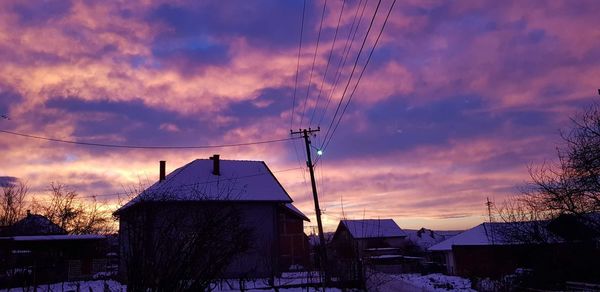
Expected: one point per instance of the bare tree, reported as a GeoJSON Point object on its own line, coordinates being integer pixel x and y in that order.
{"type": "Point", "coordinates": [568, 188]}
{"type": "Point", "coordinates": [12, 202]}
{"type": "Point", "coordinates": [173, 245]}
{"type": "Point", "coordinates": [76, 216]}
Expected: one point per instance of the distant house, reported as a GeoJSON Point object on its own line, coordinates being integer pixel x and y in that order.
{"type": "Point", "coordinates": [240, 197]}
{"type": "Point", "coordinates": [376, 241]}
{"type": "Point", "coordinates": [424, 238]}
{"type": "Point", "coordinates": [353, 237]}
{"type": "Point", "coordinates": [34, 251]}
{"type": "Point", "coordinates": [33, 224]}
{"type": "Point", "coordinates": [497, 249]}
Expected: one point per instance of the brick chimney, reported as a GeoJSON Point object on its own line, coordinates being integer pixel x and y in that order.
{"type": "Point", "coordinates": [162, 170]}
{"type": "Point", "coordinates": [216, 165]}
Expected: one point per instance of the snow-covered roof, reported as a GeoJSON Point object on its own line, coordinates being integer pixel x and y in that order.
{"type": "Point", "coordinates": [425, 238]}
{"type": "Point", "coordinates": [499, 233]}
{"type": "Point", "coordinates": [34, 224]}
{"type": "Point", "coordinates": [239, 180]}
{"type": "Point", "coordinates": [296, 211]}
{"type": "Point", "coordinates": [55, 237]}
{"type": "Point", "coordinates": [373, 228]}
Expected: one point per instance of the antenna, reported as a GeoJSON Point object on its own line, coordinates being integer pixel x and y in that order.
{"type": "Point", "coordinates": [489, 207]}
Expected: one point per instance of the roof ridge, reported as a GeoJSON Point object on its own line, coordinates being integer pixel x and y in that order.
{"type": "Point", "coordinates": [220, 159]}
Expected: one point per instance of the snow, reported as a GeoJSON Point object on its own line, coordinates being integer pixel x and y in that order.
{"type": "Point", "coordinates": [98, 285]}
{"type": "Point", "coordinates": [376, 281]}
{"type": "Point", "coordinates": [387, 256]}
{"type": "Point", "coordinates": [56, 237]}
{"type": "Point", "coordinates": [425, 238]}
{"type": "Point", "coordinates": [373, 228]}
{"type": "Point", "coordinates": [496, 233]}
{"type": "Point", "coordinates": [239, 180]}
{"type": "Point", "coordinates": [436, 282]}
{"type": "Point", "coordinates": [287, 279]}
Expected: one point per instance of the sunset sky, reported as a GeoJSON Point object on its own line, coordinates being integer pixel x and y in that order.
{"type": "Point", "coordinates": [458, 99]}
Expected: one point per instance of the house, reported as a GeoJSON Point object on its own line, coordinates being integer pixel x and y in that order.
{"type": "Point", "coordinates": [353, 237]}
{"type": "Point", "coordinates": [34, 251]}
{"type": "Point", "coordinates": [424, 238]}
{"type": "Point", "coordinates": [373, 241]}
{"type": "Point", "coordinates": [231, 218]}
{"type": "Point", "coordinates": [498, 249]}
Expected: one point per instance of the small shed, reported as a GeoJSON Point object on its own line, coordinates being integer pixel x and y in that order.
{"type": "Point", "coordinates": [34, 251]}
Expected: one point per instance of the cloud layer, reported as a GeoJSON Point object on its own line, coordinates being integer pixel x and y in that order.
{"type": "Point", "coordinates": [458, 98]}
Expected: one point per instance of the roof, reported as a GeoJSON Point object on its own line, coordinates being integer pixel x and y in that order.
{"type": "Point", "coordinates": [239, 180]}
{"type": "Point", "coordinates": [425, 238]}
{"type": "Point", "coordinates": [499, 233]}
{"type": "Point", "coordinates": [295, 210]}
{"type": "Point", "coordinates": [34, 224]}
{"type": "Point", "coordinates": [373, 228]}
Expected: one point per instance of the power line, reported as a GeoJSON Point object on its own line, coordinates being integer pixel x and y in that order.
{"type": "Point", "coordinates": [298, 65]}
{"type": "Point", "coordinates": [296, 88]}
{"type": "Point", "coordinates": [328, 61]}
{"type": "Point", "coordinates": [345, 54]}
{"type": "Point", "coordinates": [352, 72]}
{"type": "Point", "coordinates": [185, 185]}
{"type": "Point", "coordinates": [313, 63]}
{"type": "Point", "coordinates": [144, 147]}
{"type": "Point", "coordinates": [362, 72]}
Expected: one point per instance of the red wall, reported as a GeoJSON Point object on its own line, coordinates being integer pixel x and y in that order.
{"type": "Point", "coordinates": [293, 243]}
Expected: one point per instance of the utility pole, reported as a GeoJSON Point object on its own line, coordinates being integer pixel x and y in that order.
{"type": "Point", "coordinates": [305, 134]}
{"type": "Point", "coordinates": [492, 231]}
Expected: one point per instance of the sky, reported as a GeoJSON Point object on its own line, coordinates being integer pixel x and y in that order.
{"type": "Point", "coordinates": [457, 100]}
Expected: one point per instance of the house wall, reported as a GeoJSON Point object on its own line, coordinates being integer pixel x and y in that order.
{"type": "Point", "coordinates": [293, 243]}
{"type": "Point", "coordinates": [395, 241]}
{"type": "Point", "coordinates": [568, 260]}
{"type": "Point", "coordinates": [262, 259]}
{"type": "Point", "coordinates": [143, 224]}
{"type": "Point", "coordinates": [450, 267]}
{"type": "Point", "coordinates": [46, 261]}
{"type": "Point", "coordinates": [344, 246]}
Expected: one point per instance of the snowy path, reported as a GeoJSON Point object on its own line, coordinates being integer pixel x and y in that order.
{"type": "Point", "coordinates": [380, 282]}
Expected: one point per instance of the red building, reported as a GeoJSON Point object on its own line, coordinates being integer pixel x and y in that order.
{"type": "Point", "coordinates": [294, 248]}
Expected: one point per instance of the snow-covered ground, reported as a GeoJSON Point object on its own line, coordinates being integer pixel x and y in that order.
{"type": "Point", "coordinates": [417, 283]}
{"type": "Point", "coordinates": [287, 279]}
{"type": "Point", "coordinates": [98, 285]}
{"type": "Point", "coordinates": [376, 282]}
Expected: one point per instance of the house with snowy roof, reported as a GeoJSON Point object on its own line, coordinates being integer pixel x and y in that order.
{"type": "Point", "coordinates": [424, 238]}
{"type": "Point", "coordinates": [353, 237]}
{"type": "Point", "coordinates": [499, 248]}
{"type": "Point", "coordinates": [231, 218]}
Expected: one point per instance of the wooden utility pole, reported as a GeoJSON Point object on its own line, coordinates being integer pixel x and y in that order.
{"type": "Point", "coordinates": [489, 207]}
{"type": "Point", "coordinates": [305, 134]}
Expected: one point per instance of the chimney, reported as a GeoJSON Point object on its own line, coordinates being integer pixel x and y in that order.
{"type": "Point", "coordinates": [28, 213]}
{"type": "Point", "coordinates": [216, 166]}
{"type": "Point", "coordinates": [163, 166]}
